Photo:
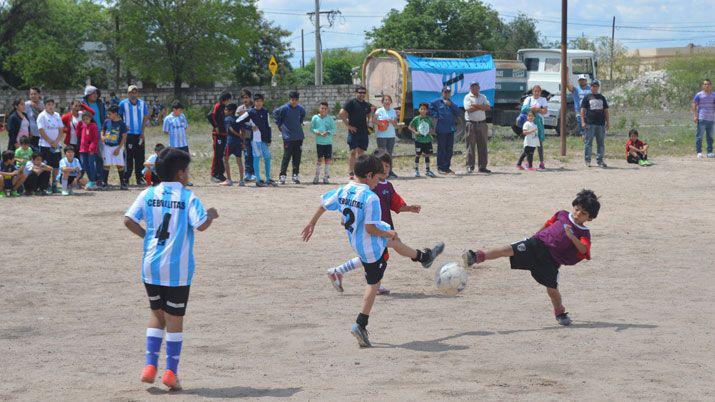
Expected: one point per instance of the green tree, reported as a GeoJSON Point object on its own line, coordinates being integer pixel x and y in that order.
{"type": "Point", "coordinates": [686, 74]}
{"type": "Point", "coordinates": [338, 67]}
{"type": "Point", "coordinates": [520, 33]}
{"type": "Point", "coordinates": [440, 24]}
{"type": "Point", "coordinates": [186, 41]}
{"type": "Point", "coordinates": [581, 43]}
{"type": "Point", "coordinates": [252, 69]}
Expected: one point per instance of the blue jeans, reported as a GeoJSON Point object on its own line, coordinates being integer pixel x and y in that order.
{"type": "Point", "coordinates": [445, 149]}
{"type": "Point", "coordinates": [89, 165]}
{"type": "Point", "coordinates": [258, 150]}
{"type": "Point", "coordinates": [579, 130]}
{"type": "Point", "coordinates": [707, 126]}
{"type": "Point", "coordinates": [593, 130]}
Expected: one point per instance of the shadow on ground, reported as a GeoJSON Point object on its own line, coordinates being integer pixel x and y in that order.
{"type": "Point", "coordinates": [231, 392]}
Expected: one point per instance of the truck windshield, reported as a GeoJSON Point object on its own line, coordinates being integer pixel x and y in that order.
{"type": "Point", "coordinates": [552, 65]}
{"type": "Point", "coordinates": [582, 66]}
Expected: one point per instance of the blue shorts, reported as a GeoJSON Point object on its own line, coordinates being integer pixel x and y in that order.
{"type": "Point", "coordinates": [234, 146]}
{"type": "Point", "coordinates": [358, 141]}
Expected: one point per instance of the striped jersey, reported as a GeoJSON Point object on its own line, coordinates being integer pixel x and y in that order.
{"type": "Point", "coordinates": [133, 115]}
{"type": "Point", "coordinates": [176, 127]}
{"type": "Point", "coordinates": [171, 213]}
{"type": "Point", "coordinates": [359, 206]}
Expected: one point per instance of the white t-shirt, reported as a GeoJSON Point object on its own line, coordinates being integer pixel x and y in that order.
{"type": "Point", "coordinates": [52, 124]}
{"type": "Point", "coordinates": [383, 114]}
{"type": "Point", "coordinates": [73, 130]}
{"type": "Point", "coordinates": [541, 101]}
{"type": "Point", "coordinates": [29, 166]}
{"type": "Point", "coordinates": [64, 163]}
{"type": "Point", "coordinates": [477, 115]}
{"type": "Point", "coordinates": [532, 139]}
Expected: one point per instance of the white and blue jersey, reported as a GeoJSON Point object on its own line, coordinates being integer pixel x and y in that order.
{"type": "Point", "coordinates": [359, 206]}
{"type": "Point", "coordinates": [171, 213]}
{"type": "Point", "coordinates": [133, 115]}
{"type": "Point", "coordinates": [176, 127]}
{"type": "Point", "coordinates": [151, 159]}
{"type": "Point", "coordinates": [64, 163]}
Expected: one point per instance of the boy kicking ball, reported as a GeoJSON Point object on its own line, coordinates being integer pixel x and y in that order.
{"type": "Point", "coordinates": [367, 234]}
{"type": "Point", "coordinates": [563, 240]}
{"type": "Point", "coordinates": [171, 212]}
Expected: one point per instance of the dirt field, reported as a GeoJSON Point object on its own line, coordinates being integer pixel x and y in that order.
{"type": "Point", "coordinates": [263, 320]}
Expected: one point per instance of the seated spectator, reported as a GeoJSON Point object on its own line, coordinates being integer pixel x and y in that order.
{"type": "Point", "coordinates": [23, 154]}
{"type": "Point", "coordinates": [38, 176]}
{"type": "Point", "coordinates": [636, 150]}
{"type": "Point", "coordinates": [10, 177]}
{"type": "Point", "coordinates": [70, 169]}
{"type": "Point", "coordinates": [149, 172]}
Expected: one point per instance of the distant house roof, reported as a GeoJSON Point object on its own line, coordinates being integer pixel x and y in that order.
{"type": "Point", "coordinates": [660, 52]}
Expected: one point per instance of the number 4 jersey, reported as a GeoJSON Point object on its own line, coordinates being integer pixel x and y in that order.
{"type": "Point", "coordinates": [171, 213]}
{"type": "Point", "coordinates": [359, 206]}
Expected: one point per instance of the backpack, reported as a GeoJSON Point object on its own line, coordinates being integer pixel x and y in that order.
{"type": "Point", "coordinates": [518, 125]}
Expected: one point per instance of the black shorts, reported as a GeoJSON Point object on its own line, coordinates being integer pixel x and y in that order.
{"type": "Point", "coordinates": [234, 146]}
{"type": "Point", "coordinates": [635, 159]}
{"type": "Point", "coordinates": [374, 271]}
{"type": "Point", "coordinates": [533, 255]}
{"type": "Point", "coordinates": [171, 299]}
{"type": "Point", "coordinates": [358, 141]}
{"type": "Point", "coordinates": [325, 151]}
{"type": "Point", "coordinates": [52, 159]}
{"type": "Point", "coordinates": [423, 148]}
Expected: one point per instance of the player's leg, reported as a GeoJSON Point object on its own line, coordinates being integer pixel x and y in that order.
{"type": "Point", "coordinates": [418, 153]}
{"type": "Point", "coordinates": [335, 274]}
{"type": "Point", "coordinates": [241, 171]}
{"type": "Point", "coordinates": [428, 153]}
{"type": "Point", "coordinates": [174, 307]}
{"type": "Point", "coordinates": [123, 179]}
{"type": "Point", "coordinates": [154, 332]}
{"type": "Point", "coordinates": [65, 183]}
{"type": "Point", "coordinates": [226, 168]}
{"type": "Point", "coordinates": [326, 173]}
{"type": "Point", "coordinates": [425, 256]}
{"type": "Point", "coordinates": [530, 157]}
{"type": "Point", "coordinates": [559, 310]}
{"type": "Point", "coordinates": [477, 257]}
{"type": "Point", "coordinates": [319, 160]}
{"type": "Point", "coordinates": [373, 275]}
{"type": "Point", "coordinates": [256, 152]}
{"type": "Point", "coordinates": [351, 161]}
{"type": "Point", "coordinates": [297, 155]}
{"type": "Point", "coordinates": [266, 151]}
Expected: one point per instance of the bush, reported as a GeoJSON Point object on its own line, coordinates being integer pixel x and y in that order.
{"type": "Point", "coordinates": [195, 114]}
{"type": "Point", "coordinates": [686, 74]}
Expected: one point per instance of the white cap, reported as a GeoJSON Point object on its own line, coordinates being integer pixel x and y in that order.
{"type": "Point", "coordinates": [583, 77]}
{"type": "Point", "coordinates": [89, 89]}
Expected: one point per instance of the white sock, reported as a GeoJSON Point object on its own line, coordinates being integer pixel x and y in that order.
{"type": "Point", "coordinates": [347, 266]}
{"type": "Point", "coordinates": [65, 184]}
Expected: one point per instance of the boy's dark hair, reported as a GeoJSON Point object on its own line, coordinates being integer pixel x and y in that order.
{"type": "Point", "coordinates": [113, 109]}
{"type": "Point", "coordinates": [245, 92]}
{"type": "Point", "coordinates": [633, 131]}
{"type": "Point", "coordinates": [35, 155]}
{"type": "Point", "coordinates": [159, 147]}
{"type": "Point", "coordinates": [112, 94]}
{"type": "Point", "coordinates": [324, 103]}
{"type": "Point", "coordinates": [25, 140]}
{"type": "Point", "coordinates": [587, 200]}
{"type": "Point", "coordinates": [225, 95]}
{"type": "Point", "coordinates": [425, 105]}
{"type": "Point", "coordinates": [294, 95]}
{"type": "Point", "coordinates": [177, 105]}
{"type": "Point", "coordinates": [7, 156]}
{"type": "Point", "coordinates": [70, 148]}
{"type": "Point", "coordinates": [383, 156]}
{"type": "Point", "coordinates": [258, 97]}
{"type": "Point", "coordinates": [36, 89]}
{"type": "Point", "coordinates": [170, 161]}
{"type": "Point", "coordinates": [360, 88]}
{"type": "Point", "coordinates": [232, 107]}
{"type": "Point", "coordinates": [367, 164]}
{"type": "Point", "coordinates": [52, 101]}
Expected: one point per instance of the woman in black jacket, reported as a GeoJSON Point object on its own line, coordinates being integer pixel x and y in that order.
{"type": "Point", "coordinates": [17, 123]}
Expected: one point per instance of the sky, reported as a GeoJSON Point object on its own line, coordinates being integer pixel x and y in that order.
{"type": "Point", "coordinates": [639, 23]}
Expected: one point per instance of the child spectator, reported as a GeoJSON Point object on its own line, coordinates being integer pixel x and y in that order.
{"type": "Point", "coordinates": [71, 122]}
{"type": "Point", "coordinates": [114, 136]}
{"type": "Point", "coordinates": [323, 126]}
{"type": "Point", "coordinates": [422, 127]}
{"type": "Point", "coordinates": [563, 240]}
{"type": "Point", "coordinates": [11, 178]}
{"type": "Point", "coordinates": [49, 124]}
{"type": "Point", "coordinates": [175, 126]}
{"type": "Point", "coordinates": [245, 106]}
{"type": "Point", "coordinates": [149, 172]}
{"type": "Point", "coordinates": [386, 120]}
{"type": "Point", "coordinates": [289, 119]}
{"type": "Point", "coordinates": [89, 149]}
{"type": "Point", "coordinates": [38, 176]}
{"type": "Point", "coordinates": [531, 141]}
{"type": "Point", "coordinates": [636, 150]}
{"type": "Point", "coordinates": [70, 169]}
{"type": "Point", "coordinates": [216, 118]}
{"type": "Point", "coordinates": [261, 141]}
{"type": "Point", "coordinates": [23, 154]}
{"type": "Point", "coordinates": [234, 143]}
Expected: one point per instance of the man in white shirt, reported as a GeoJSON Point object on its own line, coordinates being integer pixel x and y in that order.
{"type": "Point", "coordinates": [52, 134]}
{"type": "Point", "coordinates": [475, 107]}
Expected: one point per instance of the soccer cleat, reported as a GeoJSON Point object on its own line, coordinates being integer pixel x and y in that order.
{"type": "Point", "coordinates": [260, 183]}
{"type": "Point", "coordinates": [242, 183]}
{"type": "Point", "coordinates": [711, 155]}
{"type": "Point", "coordinates": [316, 180]}
{"type": "Point", "coordinates": [326, 180]}
{"type": "Point", "coordinates": [336, 280]}
{"type": "Point", "coordinates": [430, 174]}
{"type": "Point", "coordinates": [272, 183]}
{"type": "Point", "coordinates": [470, 169]}
{"type": "Point", "coordinates": [282, 179]}
{"type": "Point", "coordinates": [432, 254]}
{"type": "Point", "coordinates": [542, 166]}
{"type": "Point", "coordinates": [65, 192]}
{"type": "Point", "coordinates": [296, 179]}
{"type": "Point", "coordinates": [484, 170]}
{"type": "Point", "coordinates": [171, 380]}
{"type": "Point", "coordinates": [417, 173]}
{"type": "Point", "coordinates": [14, 194]}
{"type": "Point", "coordinates": [250, 177]}
{"type": "Point", "coordinates": [588, 164]}
{"type": "Point", "coordinates": [532, 169]}
{"type": "Point", "coordinates": [520, 167]}
{"type": "Point", "coordinates": [148, 374]}
{"type": "Point", "coordinates": [361, 335]}
{"type": "Point", "coordinates": [700, 155]}
{"type": "Point", "coordinates": [564, 319]}
{"type": "Point", "coordinates": [602, 164]}
{"type": "Point", "coordinates": [470, 257]}
{"type": "Point", "coordinates": [215, 179]}
{"type": "Point", "coordinates": [124, 186]}
{"type": "Point", "coordinates": [383, 290]}
{"type": "Point", "coordinates": [226, 183]}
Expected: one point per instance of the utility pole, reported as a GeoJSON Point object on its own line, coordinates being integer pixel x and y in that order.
{"type": "Point", "coordinates": [613, 37]}
{"type": "Point", "coordinates": [331, 14]}
{"type": "Point", "coordinates": [302, 49]}
{"type": "Point", "coordinates": [564, 77]}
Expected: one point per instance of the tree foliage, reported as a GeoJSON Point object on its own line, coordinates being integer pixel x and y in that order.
{"type": "Point", "coordinates": [338, 65]}
{"type": "Point", "coordinates": [252, 69]}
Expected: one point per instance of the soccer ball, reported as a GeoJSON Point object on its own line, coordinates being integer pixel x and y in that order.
{"type": "Point", "coordinates": [451, 278]}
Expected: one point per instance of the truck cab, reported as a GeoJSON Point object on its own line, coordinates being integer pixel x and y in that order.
{"type": "Point", "coordinates": [543, 68]}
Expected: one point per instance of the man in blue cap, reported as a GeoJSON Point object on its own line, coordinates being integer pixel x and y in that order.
{"type": "Point", "coordinates": [445, 112]}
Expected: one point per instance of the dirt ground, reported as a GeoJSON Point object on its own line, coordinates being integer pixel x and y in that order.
{"type": "Point", "coordinates": [264, 322]}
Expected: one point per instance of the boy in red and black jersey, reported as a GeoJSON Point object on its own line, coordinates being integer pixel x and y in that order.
{"type": "Point", "coordinates": [636, 150]}
{"type": "Point", "coordinates": [216, 117]}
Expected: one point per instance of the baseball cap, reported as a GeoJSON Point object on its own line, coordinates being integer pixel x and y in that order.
{"type": "Point", "coordinates": [583, 77]}
{"type": "Point", "coordinates": [446, 89]}
{"type": "Point", "coordinates": [89, 89]}
{"type": "Point", "coordinates": [596, 83]}
{"type": "Point", "coordinates": [132, 88]}
{"type": "Point", "coordinates": [474, 83]}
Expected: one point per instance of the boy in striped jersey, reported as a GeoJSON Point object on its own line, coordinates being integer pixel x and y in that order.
{"type": "Point", "coordinates": [171, 212]}
{"type": "Point", "coordinates": [368, 235]}
{"type": "Point", "coordinates": [175, 126]}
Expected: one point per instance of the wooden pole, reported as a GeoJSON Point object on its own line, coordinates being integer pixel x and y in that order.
{"type": "Point", "coordinates": [564, 77]}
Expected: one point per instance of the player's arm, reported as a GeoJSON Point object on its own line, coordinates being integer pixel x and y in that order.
{"type": "Point", "coordinates": [375, 231]}
{"type": "Point", "coordinates": [694, 111]}
{"type": "Point", "coordinates": [211, 214]}
{"type": "Point", "coordinates": [578, 243]}
{"type": "Point", "coordinates": [411, 208]}
{"type": "Point", "coordinates": [310, 227]}
{"type": "Point", "coordinates": [134, 227]}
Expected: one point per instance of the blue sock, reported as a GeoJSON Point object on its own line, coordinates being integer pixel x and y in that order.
{"type": "Point", "coordinates": [257, 167]}
{"type": "Point", "coordinates": [267, 163]}
{"type": "Point", "coordinates": [154, 336]}
{"type": "Point", "coordinates": [173, 350]}
{"type": "Point", "coordinates": [348, 266]}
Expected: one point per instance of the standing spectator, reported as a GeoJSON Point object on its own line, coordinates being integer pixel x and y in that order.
{"type": "Point", "coordinates": [49, 124]}
{"type": "Point", "coordinates": [216, 118]}
{"type": "Point", "coordinates": [596, 121]}
{"type": "Point", "coordinates": [289, 118]}
{"type": "Point", "coordinates": [33, 108]}
{"type": "Point", "coordinates": [71, 119]}
{"type": "Point", "coordinates": [113, 98]}
{"type": "Point", "coordinates": [18, 126]}
{"type": "Point", "coordinates": [539, 106]}
{"type": "Point", "coordinates": [92, 101]}
{"type": "Point", "coordinates": [135, 114]}
{"type": "Point", "coordinates": [703, 109]}
{"type": "Point", "coordinates": [445, 112]}
{"type": "Point", "coordinates": [355, 114]}
{"type": "Point", "coordinates": [579, 92]}
{"type": "Point", "coordinates": [475, 107]}
{"type": "Point", "coordinates": [323, 126]}
{"type": "Point", "coordinates": [261, 141]}
{"type": "Point", "coordinates": [386, 120]}
{"type": "Point", "coordinates": [244, 107]}
{"type": "Point", "coordinates": [89, 149]}
{"type": "Point", "coordinates": [175, 126]}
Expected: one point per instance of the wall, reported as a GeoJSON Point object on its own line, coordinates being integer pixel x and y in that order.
{"type": "Point", "coordinates": [310, 97]}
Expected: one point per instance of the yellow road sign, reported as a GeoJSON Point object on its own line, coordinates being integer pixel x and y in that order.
{"type": "Point", "coordinates": [273, 65]}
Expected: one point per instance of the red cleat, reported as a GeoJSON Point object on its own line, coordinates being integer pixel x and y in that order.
{"type": "Point", "coordinates": [171, 380]}
{"type": "Point", "coordinates": [148, 374]}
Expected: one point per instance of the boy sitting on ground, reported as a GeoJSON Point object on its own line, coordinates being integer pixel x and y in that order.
{"type": "Point", "coordinates": [636, 150]}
